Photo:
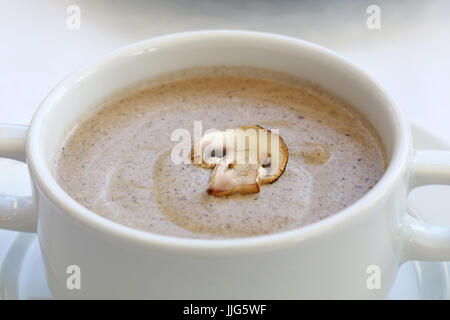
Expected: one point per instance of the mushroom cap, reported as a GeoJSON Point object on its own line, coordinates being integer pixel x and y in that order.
{"type": "Point", "coordinates": [270, 173]}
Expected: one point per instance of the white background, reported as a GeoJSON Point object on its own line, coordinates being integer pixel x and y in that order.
{"type": "Point", "coordinates": [410, 54]}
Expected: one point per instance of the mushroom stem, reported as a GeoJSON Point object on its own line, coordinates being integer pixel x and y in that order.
{"type": "Point", "coordinates": [239, 178]}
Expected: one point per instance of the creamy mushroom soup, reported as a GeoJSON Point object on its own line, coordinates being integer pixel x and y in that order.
{"type": "Point", "coordinates": [117, 161]}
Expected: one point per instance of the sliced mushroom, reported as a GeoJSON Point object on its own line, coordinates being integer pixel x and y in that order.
{"type": "Point", "coordinates": [242, 158]}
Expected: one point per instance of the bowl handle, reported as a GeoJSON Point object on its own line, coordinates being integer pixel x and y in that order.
{"type": "Point", "coordinates": [16, 213]}
{"type": "Point", "coordinates": [425, 241]}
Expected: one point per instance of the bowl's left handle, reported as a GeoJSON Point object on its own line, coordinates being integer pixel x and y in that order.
{"type": "Point", "coordinates": [16, 212]}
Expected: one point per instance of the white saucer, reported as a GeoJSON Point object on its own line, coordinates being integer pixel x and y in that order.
{"type": "Point", "coordinates": [22, 274]}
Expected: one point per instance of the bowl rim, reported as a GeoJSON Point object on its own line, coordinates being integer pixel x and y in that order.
{"type": "Point", "coordinates": [47, 184]}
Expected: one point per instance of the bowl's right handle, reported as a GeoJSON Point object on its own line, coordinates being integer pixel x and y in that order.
{"type": "Point", "coordinates": [424, 241]}
{"type": "Point", "coordinates": [16, 213]}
